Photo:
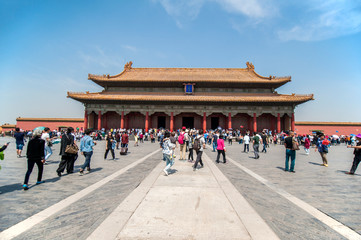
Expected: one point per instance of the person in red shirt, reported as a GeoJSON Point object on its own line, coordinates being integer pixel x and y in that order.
{"type": "Point", "coordinates": [125, 139]}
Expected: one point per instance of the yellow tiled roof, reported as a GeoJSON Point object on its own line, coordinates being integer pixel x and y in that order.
{"type": "Point", "coordinates": [181, 97]}
{"type": "Point", "coordinates": [194, 75]}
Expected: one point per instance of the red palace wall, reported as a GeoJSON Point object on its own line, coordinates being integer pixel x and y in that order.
{"type": "Point", "coordinates": [328, 129]}
{"type": "Point", "coordinates": [53, 125]}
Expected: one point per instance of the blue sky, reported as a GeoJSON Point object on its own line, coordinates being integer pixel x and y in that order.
{"type": "Point", "coordinates": [48, 48]}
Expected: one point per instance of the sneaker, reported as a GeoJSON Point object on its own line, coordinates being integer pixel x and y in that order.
{"type": "Point", "coordinates": [25, 187]}
{"type": "Point", "coordinates": [349, 173]}
{"type": "Point", "coordinates": [201, 166]}
{"type": "Point", "coordinates": [81, 172]}
{"type": "Point", "coordinates": [194, 169]}
{"type": "Point", "coordinates": [217, 161]}
{"type": "Point", "coordinates": [59, 173]}
{"type": "Point", "coordinates": [165, 172]}
{"type": "Point", "coordinates": [292, 171]}
{"type": "Point", "coordinates": [326, 165]}
{"type": "Point", "coordinates": [39, 182]}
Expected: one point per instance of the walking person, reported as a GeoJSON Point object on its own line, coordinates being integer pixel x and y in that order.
{"type": "Point", "coordinates": [109, 146]}
{"type": "Point", "coordinates": [214, 140]}
{"type": "Point", "coordinates": [357, 153]}
{"type": "Point", "coordinates": [46, 137]}
{"type": "Point", "coordinates": [198, 146]}
{"type": "Point", "coordinates": [182, 144]}
{"type": "Point", "coordinates": [257, 140]}
{"type": "Point", "coordinates": [322, 147]}
{"type": "Point", "coordinates": [190, 148]}
{"type": "Point", "coordinates": [264, 141]}
{"type": "Point", "coordinates": [221, 149]}
{"type": "Point", "coordinates": [86, 149]}
{"type": "Point", "coordinates": [168, 149]}
{"type": "Point", "coordinates": [36, 155]}
{"type": "Point", "coordinates": [290, 152]}
{"type": "Point", "coordinates": [307, 145]}
{"type": "Point", "coordinates": [246, 140]}
{"type": "Point", "coordinates": [67, 159]}
{"type": "Point", "coordinates": [124, 140]}
{"type": "Point", "coordinates": [19, 137]}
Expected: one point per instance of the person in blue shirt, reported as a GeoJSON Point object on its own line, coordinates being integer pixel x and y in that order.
{"type": "Point", "coordinates": [86, 149]}
{"type": "Point", "coordinates": [19, 136]}
{"type": "Point", "coordinates": [322, 147]}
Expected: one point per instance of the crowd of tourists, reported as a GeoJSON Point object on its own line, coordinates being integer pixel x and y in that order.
{"type": "Point", "coordinates": [191, 143]}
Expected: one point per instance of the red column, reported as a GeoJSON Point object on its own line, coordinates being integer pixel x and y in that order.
{"type": "Point", "coordinates": [99, 120]}
{"type": "Point", "coordinates": [85, 120]}
{"type": "Point", "coordinates": [293, 122]}
{"type": "Point", "coordinates": [122, 120]}
{"type": "Point", "coordinates": [146, 121]}
{"type": "Point", "coordinates": [278, 123]}
{"type": "Point", "coordinates": [254, 122]}
{"type": "Point", "coordinates": [204, 121]}
{"type": "Point", "coordinates": [229, 120]}
{"type": "Point", "coordinates": [171, 122]}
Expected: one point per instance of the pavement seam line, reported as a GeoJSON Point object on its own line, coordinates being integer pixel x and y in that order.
{"type": "Point", "coordinates": [28, 223]}
{"type": "Point", "coordinates": [253, 222]}
{"type": "Point", "coordinates": [113, 225]}
{"type": "Point", "coordinates": [329, 221]}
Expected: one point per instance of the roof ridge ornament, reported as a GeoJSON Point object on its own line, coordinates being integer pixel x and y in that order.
{"type": "Point", "coordinates": [250, 66]}
{"type": "Point", "coordinates": [128, 65]}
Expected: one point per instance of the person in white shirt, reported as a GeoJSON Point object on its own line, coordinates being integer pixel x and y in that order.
{"type": "Point", "coordinates": [246, 142]}
{"type": "Point", "coordinates": [46, 137]}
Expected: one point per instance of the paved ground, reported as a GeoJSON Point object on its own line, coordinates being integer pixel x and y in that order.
{"type": "Point", "coordinates": [327, 189]}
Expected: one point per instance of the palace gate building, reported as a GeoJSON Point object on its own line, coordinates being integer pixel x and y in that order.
{"type": "Point", "coordinates": [201, 98]}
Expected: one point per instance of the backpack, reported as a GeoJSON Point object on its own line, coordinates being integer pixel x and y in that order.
{"type": "Point", "coordinates": [181, 139]}
{"type": "Point", "coordinates": [197, 144]}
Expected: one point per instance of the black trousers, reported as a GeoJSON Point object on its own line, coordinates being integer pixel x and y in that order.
{"type": "Point", "coordinates": [246, 146]}
{"type": "Point", "coordinates": [190, 155]}
{"type": "Point", "coordinates": [199, 159]}
{"type": "Point", "coordinates": [355, 163]}
{"type": "Point", "coordinates": [218, 155]}
{"type": "Point", "coordinates": [67, 161]}
{"type": "Point", "coordinates": [106, 153]}
{"type": "Point", "coordinates": [31, 163]}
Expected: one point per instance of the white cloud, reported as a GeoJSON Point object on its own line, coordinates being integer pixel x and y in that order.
{"type": "Point", "coordinates": [329, 19]}
{"type": "Point", "coordinates": [130, 48]}
{"type": "Point", "coordinates": [253, 9]}
{"type": "Point", "coordinates": [188, 10]}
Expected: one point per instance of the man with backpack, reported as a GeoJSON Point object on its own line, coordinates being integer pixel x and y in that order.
{"type": "Point", "coordinates": [198, 146]}
{"type": "Point", "coordinates": [182, 144]}
{"type": "Point", "coordinates": [257, 140]}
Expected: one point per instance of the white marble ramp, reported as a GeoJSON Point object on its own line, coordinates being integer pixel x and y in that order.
{"type": "Point", "coordinates": [184, 205]}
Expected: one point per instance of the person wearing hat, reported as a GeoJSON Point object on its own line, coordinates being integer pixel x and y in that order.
{"type": "Point", "coordinates": [36, 155]}
{"type": "Point", "coordinates": [357, 152]}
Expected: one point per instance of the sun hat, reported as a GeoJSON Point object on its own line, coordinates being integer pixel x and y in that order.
{"type": "Point", "coordinates": [358, 135]}
{"type": "Point", "coordinates": [183, 128]}
{"type": "Point", "coordinates": [37, 132]}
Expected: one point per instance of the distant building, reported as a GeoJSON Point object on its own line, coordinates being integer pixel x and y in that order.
{"type": "Point", "coordinates": [202, 98]}
{"type": "Point", "coordinates": [52, 123]}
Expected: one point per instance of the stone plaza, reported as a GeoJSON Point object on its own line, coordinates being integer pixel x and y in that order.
{"type": "Point", "coordinates": [130, 198]}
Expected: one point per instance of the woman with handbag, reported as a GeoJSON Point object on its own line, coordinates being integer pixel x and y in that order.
{"type": "Point", "coordinates": [110, 145]}
{"type": "Point", "coordinates": [68, 152]}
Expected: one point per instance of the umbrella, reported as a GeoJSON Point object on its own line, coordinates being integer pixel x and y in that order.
{"type": "Point", "coordinates": [335, 136]}
{"type": "Point", "coordinates": [40, 128]}
{"type": "Point", "coordinates": [55, 141]}
{"type": "Point", "coordinates": [352, 135]}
